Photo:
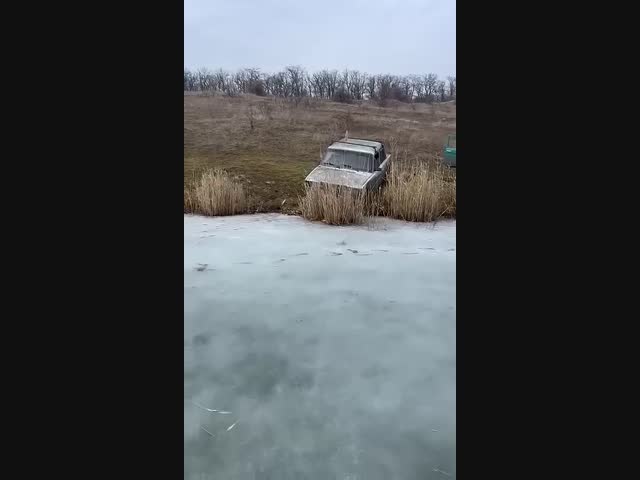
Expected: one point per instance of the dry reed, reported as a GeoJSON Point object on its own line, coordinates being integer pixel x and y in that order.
{"type": "Point", "coordinates": [333, 204]}
{"type": "Point", "coordinates": [215, 193]}
{"type": "Point", "coordinates": [420, 192]}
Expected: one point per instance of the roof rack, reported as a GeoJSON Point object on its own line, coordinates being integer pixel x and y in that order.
{"type": "Point", "coordinates": [358, 141]}
{"type": "Point", "coordinates": [355, 147]}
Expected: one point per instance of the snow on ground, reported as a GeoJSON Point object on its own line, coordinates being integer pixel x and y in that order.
{"type": "Point", "coordinates": [333, 349]}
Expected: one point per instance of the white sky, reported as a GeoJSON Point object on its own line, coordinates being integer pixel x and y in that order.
{"type": "Point", "coordinates": [373, 36]}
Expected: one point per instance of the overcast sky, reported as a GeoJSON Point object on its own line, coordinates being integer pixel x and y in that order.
{"type": "Point", "coordinates": [374, 36]}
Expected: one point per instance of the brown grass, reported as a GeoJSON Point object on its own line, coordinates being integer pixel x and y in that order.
{"type": "Point", "coordinates": [333, 204]}
{"type": "Point", "coordinates": [420, 192]}
{"type": "Point", "coordinates": [287, 140]}
{"type": "Point", "coordinates": [215, 193]}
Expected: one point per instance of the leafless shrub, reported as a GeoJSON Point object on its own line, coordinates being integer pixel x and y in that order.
{"type": "Point", "coordinates": [266, 110]}
{"type": "Point", "coordinates": [251, 116]}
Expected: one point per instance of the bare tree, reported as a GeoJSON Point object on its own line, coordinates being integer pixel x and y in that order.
{"type": "Point", "coordinates": [345, 82]}
{"type": "Point", "coordinates": [294, 82]}
{"type": "Point", "coordinates": [255, 82]}
{"type": "Point", "coordinates": [279, 85]}
{"type": "Point", "coordinates": [229, 87]}
{"type": "Point", "coordinates": [356, 84]}
{"type": "Point", "coordinates": [295, 76]}
{"type": "Point", "coordinates": [219, 79]}
{"type": "Point", "coordinates": [417, 87]}
{"type": "Point", "coordinates": [384, 88]}
{"type": "Point", "coordinates": [318, 84]}
{"type": "Point", "coordinates": [240, 81]}
{"type": "Point", "coordinates": [371, 87]}
{"type": "Point", "coordinates": [190, 81]}
{"type": "Point", "coordinates": [403, 89]}
{"type": "Point", "coordinates": [204, 80]}
{"type": "Point", "coordinates": [332, 83]}
{"type": "Point", "coordinates": [309, 83]}
{"type": "Point", "coordinates": [268, 85]}
{"type": "Point", "coordinates": [430, 82]}
{"type": "Point", "coordinates": [441, 90]}
{"type": "Point", "coordinates": [452, 86]}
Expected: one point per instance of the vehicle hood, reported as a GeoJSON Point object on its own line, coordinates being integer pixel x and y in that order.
{"type": "Point", "coordinates": [338, 176]}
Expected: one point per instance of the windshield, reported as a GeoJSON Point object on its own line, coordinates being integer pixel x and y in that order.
{"type": "Point", "coordinates": [346, 159]}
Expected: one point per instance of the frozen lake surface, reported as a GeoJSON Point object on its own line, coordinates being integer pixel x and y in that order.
{"type": "Point", "coordinates": [333, 349]}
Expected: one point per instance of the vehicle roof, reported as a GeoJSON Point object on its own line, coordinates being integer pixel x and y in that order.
{"type": "Point", "coordinates": [352, 148]}
{"type": "Point", "coordinates": [358, 141]}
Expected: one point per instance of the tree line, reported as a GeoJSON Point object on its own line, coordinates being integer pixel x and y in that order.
{"type": "Point", "coordinates": [347, 86]}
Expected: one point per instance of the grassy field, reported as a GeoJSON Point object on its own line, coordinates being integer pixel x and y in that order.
{"type": "Point", "coordinates": [269, 145]}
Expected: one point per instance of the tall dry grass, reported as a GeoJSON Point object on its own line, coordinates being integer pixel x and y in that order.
{"type": "Point", "coordinates": [333, 204]}
{"type": "Point", "coordinates": [215, 193]}
{"type": "Point", "coordinates": [420, 192]}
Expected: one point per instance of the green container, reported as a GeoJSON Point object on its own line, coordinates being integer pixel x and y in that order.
{"type": "Point", "coordinates": [449, 151]}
